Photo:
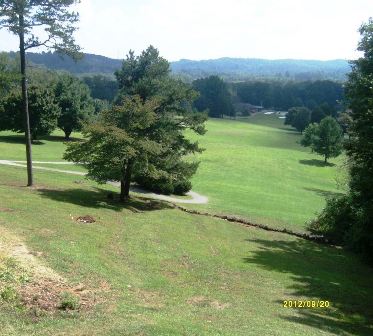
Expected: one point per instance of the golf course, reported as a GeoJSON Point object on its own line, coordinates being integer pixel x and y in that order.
{"type": "Point", "coordinates": [147, 268]}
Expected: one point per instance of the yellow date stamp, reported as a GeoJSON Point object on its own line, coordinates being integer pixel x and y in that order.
{"type": "Point", "coordinates": [306, 304]}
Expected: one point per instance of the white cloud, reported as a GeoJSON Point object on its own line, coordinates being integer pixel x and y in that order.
{"type": "Point", "coordinates": [201, 29]}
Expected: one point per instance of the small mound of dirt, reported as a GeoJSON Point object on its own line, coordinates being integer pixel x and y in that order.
{"type": "Point", "coordinates": [86, 219]}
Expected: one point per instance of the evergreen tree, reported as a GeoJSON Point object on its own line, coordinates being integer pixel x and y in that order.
{"type": "Point", "coordinates": [145, 129]}
{"type": "Point", "coordinates": [118, 142]}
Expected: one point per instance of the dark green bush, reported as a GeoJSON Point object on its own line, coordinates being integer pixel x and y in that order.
{"type": "Point", "coordinates": [334, 222]}
{"type": "Point", "coordinates": [182, 187]}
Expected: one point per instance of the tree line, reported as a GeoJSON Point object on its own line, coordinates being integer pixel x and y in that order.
{"type": "Point", "coordinates": [348, 219]}
{"type": "Point", "coordinates": [221, 98]}
{"type": "Point", "coordinates": [55, 100]}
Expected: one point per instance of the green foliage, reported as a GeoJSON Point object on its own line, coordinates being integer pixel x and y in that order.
{"type": "Point", "coordinates": [8, 74]}
{"type": "Point", "coordinates": [298, 117]}
{"type": "Point", "coordinates": [102, 87]}
{"type": "Point", "coordinates": [284, 95]}
{"type": "Point", "coordinates": [334, 221]}
{"type": "Point", "coordinates": [53, 17]}
{"type": "Point", "coordinates": [325, 139]}
{"type": "Point", "coordinates": [345, 121]}
{"type": "Point", "coordinates": [43, 112]}
{"type": "Point", "coordinates": [117, 141]}
{"type": "Point", "coordinates": [359, 91]}
{"type": "Point", "coordinates": [352, 216]}
{"type": "Point", "coordinates": [214, 96]}
{"type": "Point", "coordinates": [69, 301]}
{"type": "Point", "coordinates": [309, 135]}
{"type": "Point", "coordinates": [148, 76]}
{"type": "Point", "coordinates": [75, 102]}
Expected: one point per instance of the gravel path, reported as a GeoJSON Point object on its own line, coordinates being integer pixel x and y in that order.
{"type": "Point", "coordinates": [195, 198]}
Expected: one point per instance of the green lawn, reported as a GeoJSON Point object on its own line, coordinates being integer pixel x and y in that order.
{"type": "Point", "coordinates": [253, 167]}
{"type": "Point", "coordinates": [257, 169]}
{"type": "Point", "coordinates": [164, 272]}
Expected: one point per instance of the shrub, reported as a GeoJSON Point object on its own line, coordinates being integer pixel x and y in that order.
{"type": "Point", "coordinates": [182, 187]}
{"type": "Point", "coordinates": [335, 220]}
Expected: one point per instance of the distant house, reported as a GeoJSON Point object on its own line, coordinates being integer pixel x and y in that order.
{"type": "Point", "coordinates": [247, 108]}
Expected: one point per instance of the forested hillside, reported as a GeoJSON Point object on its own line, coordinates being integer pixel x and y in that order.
{"type": "Point", "coordinates": [243, 68]}
{"type": "Point", "coordinates": [232, 69]}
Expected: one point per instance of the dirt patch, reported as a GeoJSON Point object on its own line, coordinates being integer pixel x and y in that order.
{"type": "Point", "coordinates": [45, 295]}
{"type": "Point", "coordinates": [202, 301]}
{"type": "Point", "coordinates": [6, 210]}
{"type": "Point", "coordinates": [86, 219]}
{"type": "Point", "coordinates": [41, 289]}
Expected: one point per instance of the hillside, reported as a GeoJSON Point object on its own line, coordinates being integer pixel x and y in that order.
{"type": "Point", "coordinates": [228, 68]}
{"type": "Point", "coordinates": [144, 268]}
{"type": "Point", "coordinates": [243, 68]}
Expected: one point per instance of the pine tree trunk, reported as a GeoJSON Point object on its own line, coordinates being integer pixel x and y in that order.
{"type": "Point", "coordinates": [326, 159]}
{"type": "Point", "coordinates": [25, 101]}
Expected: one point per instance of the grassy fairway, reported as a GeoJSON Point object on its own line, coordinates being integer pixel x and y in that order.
{"type": "Point", "coordinates": [253, 167]}
{"type": "Point", "coordinates": [164, 272]}
{"type": "Point", "coordinates": [257, 169]}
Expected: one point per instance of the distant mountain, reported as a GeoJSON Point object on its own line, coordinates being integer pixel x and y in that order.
{"type": "Point", "coordinates": [89, 64]}
{"type": "Point", "coordinates": [233, 69]}
{"type": "Point", "coordinates": [242, 68]}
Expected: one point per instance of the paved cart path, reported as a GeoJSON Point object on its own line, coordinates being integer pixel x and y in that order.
{"type": "Point", "coordinates": [195, 197]}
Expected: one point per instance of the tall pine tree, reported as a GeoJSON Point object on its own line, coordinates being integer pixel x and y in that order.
{"type": "Point", "coordinates": [26, 19]}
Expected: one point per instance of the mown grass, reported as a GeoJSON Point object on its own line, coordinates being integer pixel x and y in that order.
{"type": "Point", "coordinates": [256, 168]}
{"type": "Point", "coordinates": [165, 272]}
{"type": "Point", "coordinates": [252, 167]}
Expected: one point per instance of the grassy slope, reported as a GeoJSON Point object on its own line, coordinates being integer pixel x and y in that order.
{"type": "Point", "coordinates": [171, 273]}
{"type": "Point", "coordinates": [254, 168]}
{"type": "Point", "coordinates": [168, 258]}
{"type": "Point", "coordinates": [257, 169]}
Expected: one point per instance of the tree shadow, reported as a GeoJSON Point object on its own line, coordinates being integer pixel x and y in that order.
{"type": "Point", "coordinates": [20, 139]}
{"type": "Point", "coordinates": [13, 139]}
{"type": "Point", "coordinates": [316, 163]}
{"type": "Point", "coordinates": [321, 273]}
{"type": "Point", "coordinates": [290, 130]}
{"type": "Point", "coordinates": [325, 193]}
{"type": "Point", "coordinates": [101, 198]}
{"type": "Point", "coordinates": [57, 138]}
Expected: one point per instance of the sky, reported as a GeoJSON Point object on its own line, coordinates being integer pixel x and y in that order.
{"type": "Point", "coordinates": [207, 29]}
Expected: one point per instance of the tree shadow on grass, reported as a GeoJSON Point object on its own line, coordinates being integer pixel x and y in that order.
{"type": "Point", "coordinates": [17, 139]}
{"type": "Point", "coordinates": [56, 138]}
{"type": "Point", "coordinates": [321, 273]}
{"type": "Point", "coordinates": [325, 193]}
{"type": "Point", "coordinates": [316, 163]}
{"type": "Point", "coordinates": [100, 198]}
